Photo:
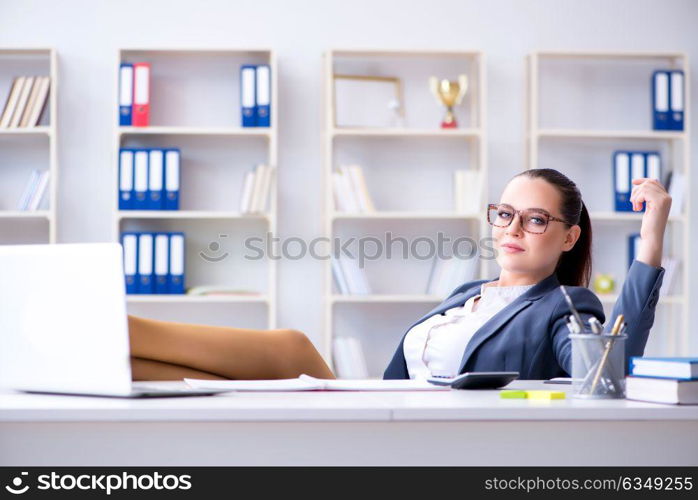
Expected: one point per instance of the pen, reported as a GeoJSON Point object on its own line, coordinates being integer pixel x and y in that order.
{"type": "Point", "coordinates": [571, 306]}
{"type": "Point", "coordinates": [607, 350]}
{"type": "Point", "coordinates": [595, 325]}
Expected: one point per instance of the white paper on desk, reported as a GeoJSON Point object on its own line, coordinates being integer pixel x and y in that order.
{"type": "Point", "coordinates": [285, 384]}
{"type": "Point", "coordinates": [375, 384]}
{"type": "Point", "coordinates": [308, 383]}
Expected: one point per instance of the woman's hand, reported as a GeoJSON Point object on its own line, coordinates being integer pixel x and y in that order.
{"type": "Point", "coordinates": [658, 204]}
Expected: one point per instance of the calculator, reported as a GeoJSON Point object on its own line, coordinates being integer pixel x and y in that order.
{"type": "Point", "coordinates": [476, 380]}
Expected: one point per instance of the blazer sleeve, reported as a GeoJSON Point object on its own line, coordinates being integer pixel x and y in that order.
{"type": "Point", "coordinates": [588, 305]}
{"type": "Point", "coordinates": [638, 302]}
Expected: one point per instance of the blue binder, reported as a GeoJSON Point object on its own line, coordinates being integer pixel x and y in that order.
{"type": "Point", "coordinates": [263, 95]}
{"type": "Point", "coordinates": [638, 170]}
{"type": "Point", "coordinates": [156, 177]}
{"type": "Point", "coordinates": [660, 100]}
{"type": "Point", "coordinates": [172, 179]}
{"type": "Point", "coordinates": [140, 179]}
{"type": "Point", "coordinates": [129, 244]}
{"type": "Point", "coordinates": [125, 179]}
{"type": "Point", "coordinates": [676, 100]}
{"type": "Point", "coordinates": [633, 247]}
{"type": "Point", "coordinates": [177, 263]}
{"type": "Point", "coordinates": [248, 96]}
{"type": "Point", "coordinates": [145, 263]}
{"type": "Point", "coordinates": [126, 94]}
{"type": "Point", "coordinates": [621, 181]}
{"type": "Point", "coordinates": [161, 262]}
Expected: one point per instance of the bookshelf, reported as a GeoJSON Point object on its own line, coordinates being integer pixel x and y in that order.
{"type": "Point", "coordinates": [409, 171]}
{"type": "Point", "coordinates": [582, 106]}
{"type": "Point", "coordinates": [25, 149]}
{"type": "Point", "coordinates": [195, 106]}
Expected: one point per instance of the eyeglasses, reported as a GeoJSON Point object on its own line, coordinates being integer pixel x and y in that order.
{"type": "Point", "coordinates": [534, 220]}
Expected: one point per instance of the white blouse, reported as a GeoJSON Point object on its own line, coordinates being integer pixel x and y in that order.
{"type": "Point", "coordinates": [435, 347]}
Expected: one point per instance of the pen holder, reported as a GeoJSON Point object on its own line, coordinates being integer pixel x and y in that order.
{"type": "Point", "coordinates": [598, 365]}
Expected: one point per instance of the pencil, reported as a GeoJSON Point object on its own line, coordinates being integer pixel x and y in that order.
{"type": "Point", "coordinates": [607, 350]}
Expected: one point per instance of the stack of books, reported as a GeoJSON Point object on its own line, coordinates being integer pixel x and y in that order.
{"type": "Point", "coordinates": [256, 189]}
{"type": "Point", "coordinates": [663, 380]}
{"type": "Point", "coordinates": [448, 273]}
{"type": "Point", "coordinates": [350, 190]}
{"type": "Point", "coordinates": [349, 277]}
{"type": "Point", "coordinates": [467, 187]}
{"type": "Point", "coordinates": [25, 102]}
{"type": "Point", "coordinates": [34, 192]}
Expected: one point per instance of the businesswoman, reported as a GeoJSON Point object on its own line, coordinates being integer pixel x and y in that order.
{"type": "Point", "coordinates": [542, 235]}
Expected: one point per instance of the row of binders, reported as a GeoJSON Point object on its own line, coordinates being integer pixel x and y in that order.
{"type": "Point", "coordinates": [255, 95]}
{"type": "Point", "coordinates": [26, 102]}
{"type": "Point", "coordinates": [134, 94]}
{"type": "Point", "coordinates": [256, 189]}
{"type": "Point", "coordinates": [149, 179]}
{"type": "Point", "coordinates": [668, 100]}
{"type": "Point", "coordinates": [630, 165]}
{"type": "Point", "coordinates": [34, 191]}
{"type": "Point", "coordinates": [153, 262]}
{"type": "Point", "coordinates": [670, 265]}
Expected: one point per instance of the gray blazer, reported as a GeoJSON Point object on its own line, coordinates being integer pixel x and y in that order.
{"type": "Point", "coordinates": [530, 335]}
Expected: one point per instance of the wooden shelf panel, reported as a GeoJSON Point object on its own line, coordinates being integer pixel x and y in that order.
{"type": "Point", "coordinates": [187, 214]}
{"type": "Point", "coordinates": [372, 299]}
{"type": "Point", "coordinates": [195, 299]}
{"type": "Point", "coordinates": [607, 134]}
{"type": "Point", "coordinates": [224, 131]}
{"type": "Point", "coordinates": [406, 215]}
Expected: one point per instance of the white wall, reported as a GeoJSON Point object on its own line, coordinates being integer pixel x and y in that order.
{"type": "Point", "coordinates": [87, 33]}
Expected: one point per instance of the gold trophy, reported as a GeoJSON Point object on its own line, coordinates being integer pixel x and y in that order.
{"type": "Point", "coordinates": [449, 94]}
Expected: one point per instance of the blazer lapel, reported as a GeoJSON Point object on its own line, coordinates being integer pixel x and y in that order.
{"type": "Point", "coordinates": [456, 301]}
{"type": "Point", "coordinates": [502, 317]}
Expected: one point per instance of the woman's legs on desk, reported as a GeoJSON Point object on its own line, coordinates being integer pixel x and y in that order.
{"type": "Point", "coordinates": [164, 350]}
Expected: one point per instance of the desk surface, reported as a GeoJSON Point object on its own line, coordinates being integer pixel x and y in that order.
{"type": "Point", "coordinates": [317, 406]}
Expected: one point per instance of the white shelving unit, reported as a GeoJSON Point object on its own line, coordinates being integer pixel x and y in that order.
{"type": "Point", "coordinates": [24, 149]}
{"type": "Point", "coordinates": [593, 103]}
{"type": "Point", "coordinates": [409, 171]}
{"type": "Point", "coordinates": [195, 107]}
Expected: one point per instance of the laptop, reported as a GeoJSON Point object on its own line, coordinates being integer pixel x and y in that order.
{"type": "Point", "coordinates": [63, 325]}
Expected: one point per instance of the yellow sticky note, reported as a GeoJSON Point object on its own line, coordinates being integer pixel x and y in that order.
{"type": "Point", "coordinates": [545, 394]}
{"type": "Point", "coordinates": [512, 394]}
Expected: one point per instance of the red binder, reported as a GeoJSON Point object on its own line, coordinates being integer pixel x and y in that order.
{"type": "Point", "coordinates": [141, 94]}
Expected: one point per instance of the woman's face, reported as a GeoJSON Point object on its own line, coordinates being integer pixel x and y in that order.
{"type": "Point", "coordinates": [521, 252]}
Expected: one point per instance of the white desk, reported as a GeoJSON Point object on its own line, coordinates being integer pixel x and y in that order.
{"type": "Point", "coordinates": [345, 428]}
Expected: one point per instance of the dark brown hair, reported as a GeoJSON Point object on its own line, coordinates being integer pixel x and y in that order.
{"type": "Point", "coordinates": [574, 266]}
